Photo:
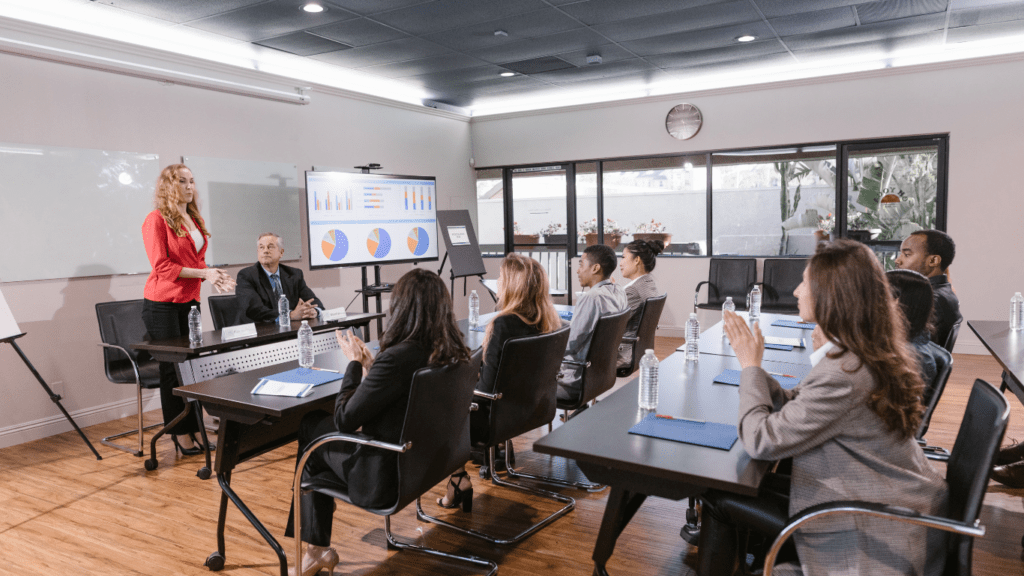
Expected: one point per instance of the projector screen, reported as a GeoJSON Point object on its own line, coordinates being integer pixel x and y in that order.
{"type": "Point", "coordinates": [370, 219]}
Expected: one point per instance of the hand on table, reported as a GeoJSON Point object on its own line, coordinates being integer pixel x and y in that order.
{"type": "Point", "coordinates": [748, 346]}
{"type": "Point", "coordinates": [354, 349]}
{"type": "Point", "coordinates": [304, 310]}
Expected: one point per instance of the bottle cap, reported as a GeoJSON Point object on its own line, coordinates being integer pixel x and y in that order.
{"type": "Point", "coordinates": [693, 315]}
{"type": "Point", "coordinates": [195, 307]}
{"type": "Point", "coordinates": [648, 351]}
{"type": "Point", "coordinates": [305, 322]}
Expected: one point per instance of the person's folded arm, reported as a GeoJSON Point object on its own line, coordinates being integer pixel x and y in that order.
{"type": "Point", "coordinates": [361, 401]}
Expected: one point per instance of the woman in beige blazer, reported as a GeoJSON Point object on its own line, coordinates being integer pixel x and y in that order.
{"type": "Point", "coordinates": [848, 427]}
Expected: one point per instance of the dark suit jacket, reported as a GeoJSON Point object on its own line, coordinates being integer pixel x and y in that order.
{"type": "Point", "coordinates": [506, 326]}
{"type": "Point", "coordinates": [377, 404]}
{"type": "Point", "coordinates": [947, 308]}
{"type": "Point", "coordinates": [256, 300]}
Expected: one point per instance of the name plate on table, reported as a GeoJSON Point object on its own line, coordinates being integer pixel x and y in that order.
{"type": "Point", "coordinates": [236, 332]}
{"type": "Point", "coordinates": [335, 314]}
{"type": "Point", "coordinates": [781, 341]}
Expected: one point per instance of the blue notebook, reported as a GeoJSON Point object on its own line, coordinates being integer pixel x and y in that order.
{"type": "Point", "coordinates": [479, 328]}
{"type": "Point", "coordinates": [565, 315]}
{"type": "Point", "coordinates": [305, 376]}
{"type": "Point", "coordinates": [785, 347]}
{"type": "Point", "coordinates": [710, 434]}
{"type": "Point", "coordinates": [794, 324]}
{"type": "Point", "coordinates": [732, 377]}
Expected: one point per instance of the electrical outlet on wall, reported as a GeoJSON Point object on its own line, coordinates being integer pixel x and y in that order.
{"type": "Point", "coordinates": [57, 387]}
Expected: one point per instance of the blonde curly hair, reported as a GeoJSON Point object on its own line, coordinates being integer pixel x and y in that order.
{"type": "Point", "coordinates": [167, 197]}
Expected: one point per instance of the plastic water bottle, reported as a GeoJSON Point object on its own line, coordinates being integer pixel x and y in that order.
{"type": "Point", "coordinates": [283, 309]}
{"type": "Point", "coordinates": [728, 305]}
{"type": "Point", "coordinates": [755, 303]}
{"type": "Point", "coordinates": [649, 381]}
{"type": "Point", "coordinates": [692, 337]}
{"type": "Point", "coordinates": [1017, 312]}
{"type": "Point", "coordinates": [195, 326]}
{"type": "Point", "coordinates": [474, 309]}
{"type": "Point", "coordinates": [305, 345]}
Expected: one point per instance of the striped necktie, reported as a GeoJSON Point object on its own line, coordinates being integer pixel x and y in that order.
{"type": "Point", "coordinates": [276, 282]}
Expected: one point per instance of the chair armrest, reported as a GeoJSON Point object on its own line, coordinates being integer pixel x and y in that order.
{"type": "Point", "coordinates": [491, 397]}
{"type": "Point", "coordinates": [897, 513]}
{"type": "Point", "coordinates": [575, 363]}
{"type": "Point", "coordinates": [696, 291]}
{"type": "Point", "coordinates": [135, 367]}
{"type": "Point", "coordinates": [630, 339]}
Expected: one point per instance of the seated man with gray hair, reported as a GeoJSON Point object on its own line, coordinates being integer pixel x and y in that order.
{"type": "Point", "coordinates": [261, 285]}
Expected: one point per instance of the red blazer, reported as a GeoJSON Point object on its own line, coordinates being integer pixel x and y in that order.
{"type": "Point", "coordinates": [168, 254]}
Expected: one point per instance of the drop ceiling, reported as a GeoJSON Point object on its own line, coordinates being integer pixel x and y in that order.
{"type": "Point", "coordinates": [456, 50]}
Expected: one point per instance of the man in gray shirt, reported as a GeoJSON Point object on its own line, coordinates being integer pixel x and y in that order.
{"type": "Point", "coordinates": [604, 297]}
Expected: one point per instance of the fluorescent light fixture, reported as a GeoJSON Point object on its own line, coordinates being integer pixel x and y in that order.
{"type": "Point", "coordinates": [313, 7]}
{"type": "Point", "coordinates": [746, 38]}
{"type": "Point", "coordinates": [507, 74]}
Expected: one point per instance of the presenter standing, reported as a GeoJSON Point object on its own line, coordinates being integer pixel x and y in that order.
{"type": "Point", "coordinates": [176, 239]}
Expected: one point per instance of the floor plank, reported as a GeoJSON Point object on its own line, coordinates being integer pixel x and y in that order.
{"type": "Point", "coordinates": [62, 508]}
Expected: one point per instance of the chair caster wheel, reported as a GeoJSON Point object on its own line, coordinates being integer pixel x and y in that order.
{"type": "Point", "coordinates": [150, 464]}
{"type": "Point", "coordinates": [485, 473]}
{"type": "Point", "coordinates": [203, 473]}
{"type": "Point", "coordinates": [691, 516]}
{"type": "Point", "coordinates": [215, 562]}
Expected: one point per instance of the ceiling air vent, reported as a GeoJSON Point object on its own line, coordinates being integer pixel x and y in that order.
{"type": "Point", "coordinates": [538, 65]}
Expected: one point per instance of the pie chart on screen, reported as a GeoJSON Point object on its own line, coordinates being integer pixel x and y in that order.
{"type": "Point", "coordinates": [334, 245]}
{"type": "Point", "coordinates": [379, 243]}
{"type": "Point", "coordinates": [418, 241]}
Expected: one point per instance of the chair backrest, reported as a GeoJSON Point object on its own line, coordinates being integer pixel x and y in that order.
{"type": "Point", "coordinates": [437, 424]}
{"type": "Point", "coordinates": [781, 277]}
{"type": "Point", "coordinates": [731, 277]}
{"type": "Point", "coordinates": [603, 356]}
{"type": "Point", "coordinates": [650, 315]}
{"type": "Point", "coordinates": [224, 310]}
{"type": "Point", "coordinates": [981, 433]}
{"type": "Point", "coordinates": [526, 381]}
{"type": "Point", "coordinates": [120, 324]}
{"type": "Point", "coordinates": [954, 332]}
{"type": "Point", "coordinates": [933, 389]}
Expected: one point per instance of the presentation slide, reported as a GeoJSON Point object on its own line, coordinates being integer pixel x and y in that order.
{"type": "Point", "coordinates": [368, 219]}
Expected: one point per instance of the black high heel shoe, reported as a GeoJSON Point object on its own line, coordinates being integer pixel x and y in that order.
{"type": "Point", "coordinates": [199, 444]}
{"type": "Point", "coordinates": [193, 451]}
{"type": "Point", "coordinates": [459, 496]}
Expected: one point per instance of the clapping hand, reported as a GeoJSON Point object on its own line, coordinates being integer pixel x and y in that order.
{"type": "Point", "coordinates": [748, 346]}
{"type": "Point", "coordinates": [304, 310]}
{"type": "Point", "coordinates": [221, 280]}
{"type": "Point", "coordinates": [354, 349]}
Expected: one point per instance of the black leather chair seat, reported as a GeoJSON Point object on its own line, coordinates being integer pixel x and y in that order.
{"type": "Point", "coordinates": [121, 372]}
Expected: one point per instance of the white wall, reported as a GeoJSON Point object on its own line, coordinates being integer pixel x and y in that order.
{"type": "Point", "coordinates": [977, 103]}
{"type": "Point", "coordinates": [55, 104]}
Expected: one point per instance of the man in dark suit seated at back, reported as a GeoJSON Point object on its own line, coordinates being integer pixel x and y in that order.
{"type": "Point", "coordinates": [930, 252]}
{"type": "Point", "coordinates": [261, 285]}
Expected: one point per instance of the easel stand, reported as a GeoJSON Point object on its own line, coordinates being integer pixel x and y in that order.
{"type": "Point", "coordinates": [464, 277]}
{"type": "Point", "coordinates": [374, 291]}
{"type": "Point", "coordinates": [55, 397]}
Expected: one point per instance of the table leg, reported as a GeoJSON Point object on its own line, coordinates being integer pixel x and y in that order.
{"type": "Point", "coordinates": [215, 561]}
{"type": "Point", "coordinates": [622, 505]}
{"type": "Point", "coordinates": [151, 463]}
{"type": "Point", "coordinates": [204, 472]}
{"type": "Point", "coordinates": [225, 486]}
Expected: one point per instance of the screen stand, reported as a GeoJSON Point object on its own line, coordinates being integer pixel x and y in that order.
{"type": "Point", "coordinates": [55, 397]}
{"type": "Point", "coordinates": [374, 291]}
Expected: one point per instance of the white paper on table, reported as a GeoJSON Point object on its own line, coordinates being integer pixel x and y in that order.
{"type": "Point", "coordinates": [781, 341]}
{"type": "Point", "coordinates": [8, 327]}
{"type": "Point", "coordinates": [290, 389]}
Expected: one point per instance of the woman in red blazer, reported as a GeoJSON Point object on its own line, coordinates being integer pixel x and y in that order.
{"type": "Point", "coordinates": [176, 238]}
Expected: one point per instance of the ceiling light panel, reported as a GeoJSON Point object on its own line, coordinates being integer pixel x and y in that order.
{"type": "Point", "coordinates": [537, 65]}
{"type": "Point", "coordinates": [269, 20]}
{"type": "Point", "coordinates": [358, 32]}
{"type": "Point", "coordinates": [302, 44]}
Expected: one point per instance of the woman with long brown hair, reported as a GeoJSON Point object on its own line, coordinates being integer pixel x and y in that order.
{"type": "Point", "coordinates": [848, 427]}
{"type": "Point", "coordinates": [374, 396]}
{"type": "Point", "coordinates": [524, 309]}
{"type": "Point", "coordinates": [176, 240]}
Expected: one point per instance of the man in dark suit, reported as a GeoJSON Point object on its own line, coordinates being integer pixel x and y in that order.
{"type": "Point", "coordinates": [261, 285]}
{"type": "Point", "coordinates": [930, 252]}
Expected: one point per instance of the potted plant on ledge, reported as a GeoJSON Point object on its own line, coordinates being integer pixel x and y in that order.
{"type": "Point", "coordinates": [519, 238]}
{"type": "Point", "coordinates": [554, 233]}
{"type": "Point", "coordinates": [653, 231]}
{"type": "Point", "coordinates": [612, 232]}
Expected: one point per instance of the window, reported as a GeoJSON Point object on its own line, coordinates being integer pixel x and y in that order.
{"type": "Point", "coordinates": [490, 211]}
{"type": "Point", "coordinates": [770, 202]}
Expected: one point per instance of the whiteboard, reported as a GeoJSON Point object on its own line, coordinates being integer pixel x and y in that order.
{"type": "Point", "coordinates": [8, 327]}
{"type": "Point", "coordinates": [69, 212]}
{"type": "Point", "coordinates": [241, 199]}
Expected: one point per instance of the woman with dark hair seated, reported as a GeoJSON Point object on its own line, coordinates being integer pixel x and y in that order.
{"type": "Point", "coordinates": [848, 427]}
{"type": "Point", "coordinates": [374, 395]}
{"type": "Point", "coordinates": [524, 309]}
{"type": "Point", "coordinates": [639, 258]}
{"type": "Point", "coordinates": [913, 291]}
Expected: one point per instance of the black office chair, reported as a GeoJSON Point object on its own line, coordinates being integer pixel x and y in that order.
{"type": "Point", "coordinates": [933, 392]}
{"type": "Point", "coordinates": [781, 277]}
{"type": "Point", "coordinates": [648, 316]}
{"type": "Point", "coordinates": [120, 327]}
{"type": "Point", "coordinates": [597, 377]}
{"type": "Point", "coordinates": [981, 432]}
{"type": "Point", "coordinates": [225, 312]}
{"type": "Point", "coordinates": [434, 443]}
{"type": "Point", "coordinates": [727, 277]}
{"type": "Point", "coordinates": [523, 398]}
{"type": "Point", "coordinates": [954, 333]}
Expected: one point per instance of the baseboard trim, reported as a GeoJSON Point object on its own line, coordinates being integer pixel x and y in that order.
{"type": "Point", "coordinates": [57, 424]}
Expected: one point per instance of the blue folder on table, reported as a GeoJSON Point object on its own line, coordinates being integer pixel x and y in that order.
{"type": "Point", "coordinates": [732, 377]}
{"type": "Point", "coordinates": [794, 324]}
{"type": "Point", "coordinates": [565, 315]}
{"type": "Point", "coordinates": [305, 376]}
{"type": "Point", "coordinates": [785, 347]}
{"type": "Point", "coordinates": [710, 434]}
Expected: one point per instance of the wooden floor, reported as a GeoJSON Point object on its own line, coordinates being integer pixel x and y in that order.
{"type": "Point", "coordinates": [61, 511]}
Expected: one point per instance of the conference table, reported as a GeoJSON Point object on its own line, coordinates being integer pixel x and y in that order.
{"type": "Point", "coordinates": [638, 466]}
{"type": "Point", "coordinates": [1007, 347]}
{"type": "Point", "coordinates": [713, 340]}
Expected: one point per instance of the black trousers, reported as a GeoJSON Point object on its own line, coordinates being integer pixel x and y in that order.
{"type": "Point", "coordinates": [318, 509]}
{"type": "Point", "coordinates": [169, 320]}
{"type": "Point", "coordinates": [724, 515]}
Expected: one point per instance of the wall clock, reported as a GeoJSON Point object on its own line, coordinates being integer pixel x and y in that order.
{"type": "Point", "coordinates": [684, 121]}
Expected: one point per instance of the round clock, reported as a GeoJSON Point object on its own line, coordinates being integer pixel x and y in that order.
{"type": "Point", "coordinates": [683, 121]}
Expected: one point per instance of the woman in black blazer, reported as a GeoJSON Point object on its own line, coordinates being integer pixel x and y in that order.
{"type": "Point", "coordinates": [525, 309]}
{"type": "Point", "coordinates": [375, 392]}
